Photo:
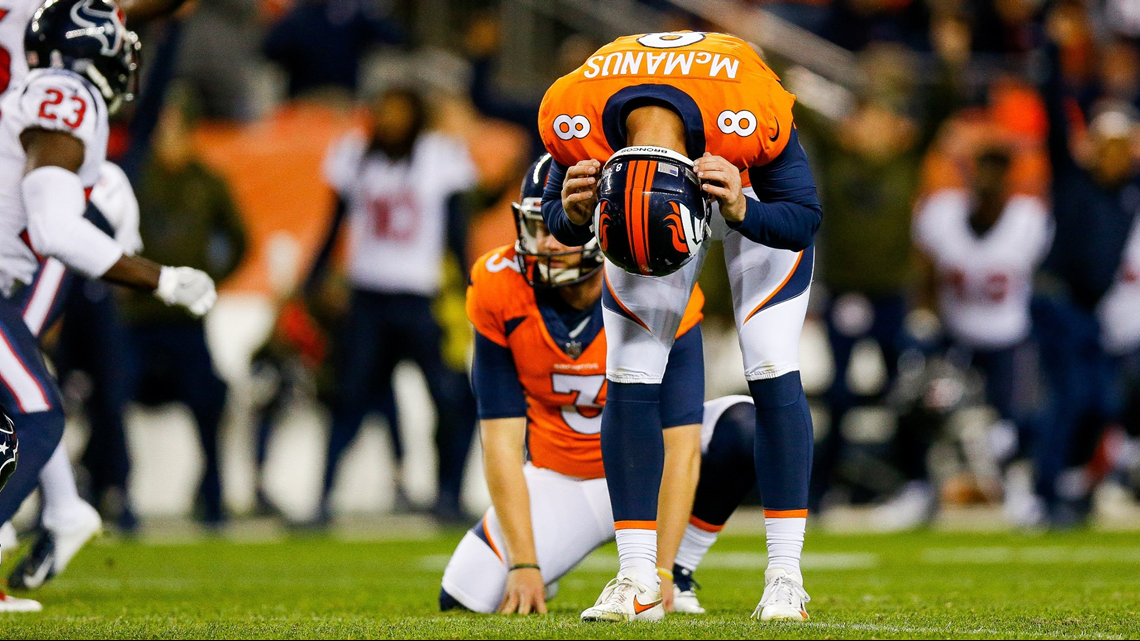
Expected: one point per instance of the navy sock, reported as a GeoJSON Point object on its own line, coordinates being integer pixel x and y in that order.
{"type": "Point", "coordinates": [728, 470]}
{"type": "Point", "coordinates": [784, 441]}
{"type": "Point", "coordinates": [39, 435]}
{"type": "Point", "coordinates": [633, 450]}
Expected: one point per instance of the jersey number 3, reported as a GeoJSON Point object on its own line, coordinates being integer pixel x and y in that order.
{"type": "Point", "coordinates": [582, 415]}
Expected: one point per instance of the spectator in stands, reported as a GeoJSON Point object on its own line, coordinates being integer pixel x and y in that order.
{"type": "Point", "coordinates": [320, 43]}
{"type": "Point", "coordinates": [218, 58]}
{"type": "Point", "coordinates": [483, 42]}
{"type": "Point", "coordinates": [186, 215]}
{"type": "Point", "coordinates": [401, 190]}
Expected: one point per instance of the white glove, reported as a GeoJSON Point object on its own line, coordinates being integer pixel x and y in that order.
{"type": "Point", "coordinates": [186, 287]}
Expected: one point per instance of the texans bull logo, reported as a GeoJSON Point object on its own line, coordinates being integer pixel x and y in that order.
{"type": "Point", "coordinates": [9, 450]}
{"type": "Point", "coordinates": [110, 39]}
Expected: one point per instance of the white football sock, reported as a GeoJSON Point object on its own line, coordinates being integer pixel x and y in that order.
{"type": "Point", "coordinates": [637, 555]}
{"type": "Point", "coordinates": [694, 545]}
{"type": "Point", "coordinates": [785, 543]}
{"type": "Point", "coordinates": [57, 486]}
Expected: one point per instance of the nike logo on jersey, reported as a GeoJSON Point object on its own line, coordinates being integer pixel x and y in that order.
{"type": "Point", "coordinates": [638, 608]}
{"type": "Point", "coordinates": [777, 136]}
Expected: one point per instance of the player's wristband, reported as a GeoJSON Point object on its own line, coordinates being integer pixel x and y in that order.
{"type": "Point", "coordinates": [525, 566]}
{"type": "Point", "coordinates": [665, 574]}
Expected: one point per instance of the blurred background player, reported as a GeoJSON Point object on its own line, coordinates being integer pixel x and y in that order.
{"type": "Point", "coordinates": [401, 189]}
{"type": "Point", "coordinates": [982, 249]}
{"type": "Point", "coordinates": [708, 113]}
{"type": "Point", "coordinates": [1094, 182]}
{"type": "Point", "coordinates": [53, 157]}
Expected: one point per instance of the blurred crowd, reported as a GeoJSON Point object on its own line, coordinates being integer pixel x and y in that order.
{"type": "Point", "coordinates": [1013, 381]}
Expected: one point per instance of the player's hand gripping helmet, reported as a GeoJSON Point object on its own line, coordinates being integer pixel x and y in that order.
{"type": "Point", "coordinates": [9, 449]}
{"type": "Point", "coordinates": [545, 269]}
{"type": "Point", "coordinates": [651, 216]}
{"type": "Point", "coordinates": [89, 38]}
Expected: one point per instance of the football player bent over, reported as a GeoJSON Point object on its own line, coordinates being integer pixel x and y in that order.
{"type": "Point", "coordinates": [674, 117]}
{"type": "Point", "coordinates": [539, 378]}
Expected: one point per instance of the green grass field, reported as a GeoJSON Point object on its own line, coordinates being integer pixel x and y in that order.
{"type": "Point", "coordinates": [924, 585]}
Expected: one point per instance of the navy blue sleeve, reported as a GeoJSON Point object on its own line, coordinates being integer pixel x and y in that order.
{"type": "Point", "coordinates": [788, 212]}
{"type": "Point", "coordinates": [683, 386]}
{"type": "Point", "coordinates": [554, 215]}
{"type": "Point", "coordinates": [498, 392]}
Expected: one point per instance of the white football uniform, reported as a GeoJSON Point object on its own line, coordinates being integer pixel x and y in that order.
{"type": "Point", "coordinates": [770, 291]}
{"type": "Point", "coordinates": [570, 518]}
{"type": "Point", "coordinates": [115, 199]}
{"type": "Point", "coordinates": [985, 282]}
{"type": "Point", "coordinates": [1119, 310]}
{"type": "Point", "coordinates": [56, 100]}
{"type": "Point", "coordinates": [397, 212]}
{"type": "Point", "coordinates": [14, 18]}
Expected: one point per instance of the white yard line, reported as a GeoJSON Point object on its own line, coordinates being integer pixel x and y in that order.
{"type": "Point", "coordinates": [1037, 555]}
{"type": "Point", "coordinates": [948, 630]}
{"type": "Point", "coordinates": [814, 561]}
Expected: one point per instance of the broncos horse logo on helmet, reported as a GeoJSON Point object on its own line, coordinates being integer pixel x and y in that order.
{"type": "Point", "coordinates": [542, 269]}
{"type": "Point", "coordinates": [651, 217]}
{"type": "Point", "coordinates": [89, 38]}
{"type": "Point", "coordinates": [9, 450]}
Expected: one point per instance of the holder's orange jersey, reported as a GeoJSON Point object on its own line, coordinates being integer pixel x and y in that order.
{"type": "Point", "coordinates": [733, 105]}
{"type": "Point", "coordinates": [564, 384]}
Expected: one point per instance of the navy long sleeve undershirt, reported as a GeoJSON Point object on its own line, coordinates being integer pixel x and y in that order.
{"type": "Point", "coordinates": [555, 216]}
{"type": "Point", "coordinates": [498, 392]}
{"type": "Point", "coordinates": [786, 216]}
{"type": "Point", "coordinates": [787, 213]}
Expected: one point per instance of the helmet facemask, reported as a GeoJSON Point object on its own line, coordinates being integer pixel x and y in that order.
{"type": "Point", "coordinates": [538, 266]}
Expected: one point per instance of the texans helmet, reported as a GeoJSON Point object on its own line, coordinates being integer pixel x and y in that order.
{"type": "Point", "coordinates": [547, 269]}
{"type": "Point", "coordinates": [89, 38]}
{"type": "Point", "coordinates": [651, 216]}
{"type": "Point", "coordinates": [9, 450]}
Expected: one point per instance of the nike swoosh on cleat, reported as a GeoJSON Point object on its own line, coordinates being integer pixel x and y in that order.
{"type": "Point", "coordinates": [638, 608]}
{"type": "Point", "coordinates": [37, 578]}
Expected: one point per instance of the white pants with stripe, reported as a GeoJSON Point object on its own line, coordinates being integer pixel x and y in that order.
{"type": "Point", "coordinates": [770, 290]}
{"type": "Point", "coordinates": [570, 518]}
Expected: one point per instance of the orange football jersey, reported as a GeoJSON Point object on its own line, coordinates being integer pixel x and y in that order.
{"type": "Point", "coordinates": [565, 391]}
{"type": "Point", "coordinates": [733, 105]}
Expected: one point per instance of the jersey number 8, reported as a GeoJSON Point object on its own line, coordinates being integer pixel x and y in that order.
{"type": "Point", "coordinates": [741, 123]}
{"type": "Point", "coordinates": [567, 127]}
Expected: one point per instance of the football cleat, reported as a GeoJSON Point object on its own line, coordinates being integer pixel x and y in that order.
{"type": "Point", "coordinates": [626, 599]}
{"type": "Point", "coordinates": [54, 549]}
{"type": "Point", "coordinates": [13, 604]}
{"type": "Point", "coordinates": [685, 592]}
{"type": "Point", "coordinates": [784, 598]}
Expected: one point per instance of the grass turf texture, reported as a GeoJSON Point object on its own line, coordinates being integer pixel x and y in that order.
{"type": "Point", "coordinates": [924, 585]}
